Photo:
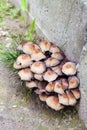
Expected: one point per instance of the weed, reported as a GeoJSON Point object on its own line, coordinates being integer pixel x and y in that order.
{"type": "Point", "coordinates": [7, 9]}
{"type": "Point", "coordinates": [8, 53]}
{"type": "Point", "coordinates": [31, 31]}
{"type": "Point", "coordinates": [24, 5]}
{"type": "Point", "coordinates": [14, 13]}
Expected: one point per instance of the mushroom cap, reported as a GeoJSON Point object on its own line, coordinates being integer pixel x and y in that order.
{"type": "Point", "coordinates": [29, 48]}
{"type": "Point", "coordinates": [45, 46]}
{"type": "Point", "coordinates": [65, 83]}
{"type": "Point", "coordinates": [58, 88]}
{"type": "Point", "coordinates": [25, 74]}
{"type": "Point", "coordinates": [16, 66]}
{"type": "Point", "coordinates": [50, 87]}
{"type": "Point", "coordinates": [63, 99]}
{"type": "Point", "coordinates": [40, 91]}
{"type": "Point", "coordinates": [53, 102]}
{"type": "Point", "coordinates": [76, 93]}
{"type": "Point", "coordinates": [43, 97]}
{"type": "Point", "coordinates": [54, 48]}
{"type": "Point", "coordinates": [31, 84]}
{"type": "Point", "coordinates": [24, 60]}
{"type": "Point", "coordinates": [72, 100]}
{"type": "Point", "coordinates": [69, 68]}
{"type": "Point", "coordinates": [51, 62]}
{"type": "Point", "coordinates": [38, 67]}
{"type": "Point", "coordinates": [38, 77]}
{"type": "Point", "coordinates": [58, 70]}
{"type": "Point", "coordinates": [21, 44]}
{"type": "Point", "coordinates": [37, 55]}
{"type": "Point", "coordinates": [73, 82]}
{"type": "Point", "coordinates": [57, 55]}
{"type": "Point", "coordinates": [49, 75]}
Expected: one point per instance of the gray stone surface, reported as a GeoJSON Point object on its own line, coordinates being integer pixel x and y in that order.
{"type": "Point", "coordinates": [61, 22]}
{"type": "Point", "coordinates": [83, 86]}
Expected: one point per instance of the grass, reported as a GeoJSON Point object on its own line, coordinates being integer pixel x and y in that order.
{"type": "Point", "coordinates": [7, 9]}
{"type": "Point", "coordinates": [8, 54]}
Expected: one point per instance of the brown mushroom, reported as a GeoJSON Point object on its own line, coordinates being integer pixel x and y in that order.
{"type": "Point", "coordinates": [50, 87]}
{"type": "Point", "coordinates": [53, 102]}
{"type": "Point", "coordinates": [29, 48]}
{"type": "Point", "coordinates": [38, 77]}
{"type": "Point", "coordinates": [16, 66]}
{"type": "Point", "coordinates": [54, 48]}
{"type": "Point", "coordinates": [73, 82]}
{"type": "Point", "coordinates": [72, 100]}
{"type": "Point", "coordinates": [49, 75]}
{"type": "Point", "coordinates": [45, 46]}
{"type": "Point", "coordinates": [57, 55]}
{"type": "Point", "coordinates": [63, 99]}
{"type": "Point", "coordinates": [43, 97]}
{"type": "Point", "coordinates": [58, 88]}
{"type": "Point", "coordinates": [58, 70]}
{"type": "Point", "coordinates": [69, 68]}
{"type": "Point", "coordinates": [76, 93]}
{"type": "Point", "coordinates": [24, 60]}
{"type": "Point", "coordinates": [51, 62]}
{"type": "Point", "coordinates": [65, 83]}
{"type": "Point", "coordinates": [38, 67]}
{"type": "Point", "coordinates": [22, 43]}
{"type": "Point", "coordinates": [40, 91]}
{"type": "Point", "coordinates": [31, 84]}
{"type": "Point", "coordinates": [25, 74]}
{"type": "Point", "coordinates": [37, 55]}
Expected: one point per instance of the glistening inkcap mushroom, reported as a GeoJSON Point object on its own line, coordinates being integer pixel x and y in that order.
{"type": "Point", "coordinates": [25, 74]}
{"type": "Point", "coordinates": [76, 93]}
{"type": "Point", "coordinates": [58, 69]}
{"type": "Point", "coordinates": [63, 99]}
{"type": "Point", "coordinates": [51, 62]}
{"type": "Point", "coordinates": [38, 77]}
{"type": "Point", "coordinates": [58, 56]}
{"type": "Point", "coordinates": [50, 87]}
{"type": "Point", "coordinates": [65, 83]}
{"type": "Point", "coordinates": [43, 97]}
{"type": "Point", "coordinates": [53, 102]}
{"type": "Point", "coordinates": [54, 48]}
{"type": "Point", "coordinates": [31, 84]}
{"type": "Point", "coordinates": [16, 66]}
{"type": "Point", "coordinates": [21, 44]}
{"type": "Point", "coordinates": [37, 55]}
{"type": "Point", "coordinates": [73, 82]}
{"type": "Point", "coordinates": [69, 68]}
{"type": "Point", "coordinates": [24, 60]}
{"type": "Point", "coordinates": [29, 48]}
{"type": "Point", "coordinates": [58, 88]}
{"type": "Point", "coordinates": [49, 75]}
{"type": "Point", "coordinates": [45, 46]}
{"type": "Point", "coordinates": [38, 67]}
{"type": "Point", "coordinates": [72, 99]}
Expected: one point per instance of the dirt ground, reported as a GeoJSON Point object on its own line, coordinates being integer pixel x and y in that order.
{"type": "Point", "coordinates": [20, 110]}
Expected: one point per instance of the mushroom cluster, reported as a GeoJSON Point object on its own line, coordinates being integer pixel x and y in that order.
{"type": "Point", "coordinates": [46, 70]}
